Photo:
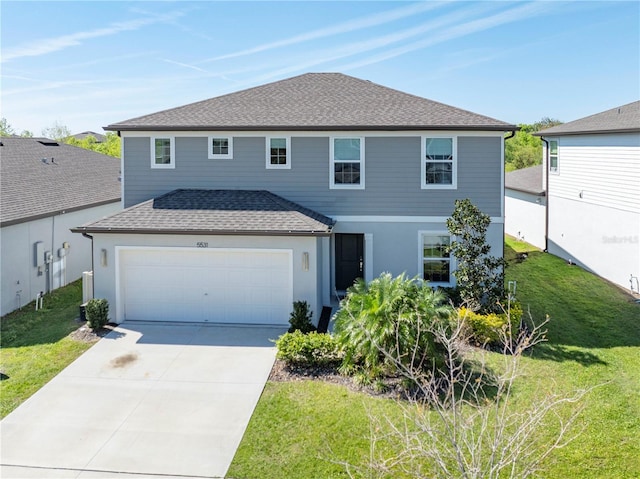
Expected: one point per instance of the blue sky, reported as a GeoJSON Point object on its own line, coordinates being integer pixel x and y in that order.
{"type": "Point", "coordinates": [88, 64]}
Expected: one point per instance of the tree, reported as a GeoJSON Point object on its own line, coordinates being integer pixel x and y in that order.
{"type": "Point", "coordinates": [5, 128]}
{"type": "Point", "coordinates": [480, 276]}
{"type": "Point", "coordinates": [111, 145]}
{"type": "Point", "coordinates": [57, 132]}
{"type": "Point", "coordinates": [545, 123]}
{"type": "Point", "coordinates": [523, 149]}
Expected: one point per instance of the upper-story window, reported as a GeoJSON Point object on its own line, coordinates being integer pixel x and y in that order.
{"type": "Point", "coordinates": [220, 147]}
{"type": "Point", "coordinates": [347, 163]}
{"type": "Point", "coordinates": [278, 152]}
{"type": "Point", "coordinates": [439, 162]}
{"type": "Point", "coordinates": [436, 260]}
{"type": "Point", "coordinates": [553, 156]}
{"type": "Point", "coordinates": [163, 152]}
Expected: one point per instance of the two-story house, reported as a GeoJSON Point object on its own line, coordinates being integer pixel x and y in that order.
{"type": "Point", "coordinates": [592, 183]}
{"type": "Point", "coordinates": [238, 205]}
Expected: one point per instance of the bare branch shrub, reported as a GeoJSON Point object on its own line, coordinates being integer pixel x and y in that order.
{"type": "Point", "coordinates": [462, 420]}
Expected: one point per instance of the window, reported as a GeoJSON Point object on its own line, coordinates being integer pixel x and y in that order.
{"type": "Point", "coordinates": [347, 163]}
{"type": "Point", "coordinates": [220, 147]}
{"type": "Point", "coordinates": [278, 153]}
{"type": "Point", "coordinates": [162, 153]}
{"type": "Point", "coordinates": [553, 156]}
{"type": "Point", "coordinates": [436, 261]}
{"type": "Point", "coordinates": [439, 162]}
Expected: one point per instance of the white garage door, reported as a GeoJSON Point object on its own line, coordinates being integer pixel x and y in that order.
{"type": "Point", "coordinates": [206, 285]}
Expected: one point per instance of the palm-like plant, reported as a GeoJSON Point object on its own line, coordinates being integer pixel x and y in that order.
{"type": "Point", "coordinates": [387, 319]}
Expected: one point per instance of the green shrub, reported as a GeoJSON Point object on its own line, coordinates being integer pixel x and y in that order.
{"type": "Point", "coordinates": [312, 349]}
{"type": "Point", "coordinates": [300, 318]}
{"type": "Point", "coordinates": [389, 322]}
{"type": "Point", "coordinates": [492, 328]}
{"type": "Point", "coordinates": [97, 311]}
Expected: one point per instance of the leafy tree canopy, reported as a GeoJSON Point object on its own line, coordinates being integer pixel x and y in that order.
{"type": "Point", "coordinates": [7, 130]}
{"type": "Point", "coordinates": [524, 149]}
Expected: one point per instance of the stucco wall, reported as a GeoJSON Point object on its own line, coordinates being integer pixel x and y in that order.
{"type": "Point", "coordinates": [603, 240]}
{"type": "Point", "coordinates": [20, 278]}
{"type": "Point", "coordinates": [524, 216]}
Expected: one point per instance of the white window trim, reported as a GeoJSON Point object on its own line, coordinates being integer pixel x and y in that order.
{"type": "Point", "coordinates": [172, 152]}
{"type": "Point", "coordinates": [339, 186]}
{"type": "Point", "coordinates": [557, 170]}
{"type": "Point", "coordinates": [423, 164]}
{"type": "Point", "coordinates": [287, 165]}
{"type": "Point", "coordinates": [452, 259]}
{"type": "Point", "coordinates": [228, 156]}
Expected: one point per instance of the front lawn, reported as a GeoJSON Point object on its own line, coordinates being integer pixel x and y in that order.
{"type": "Point", "coordinates": [301, 429]}
{"type": "Point", "coordinates": [36, 345]}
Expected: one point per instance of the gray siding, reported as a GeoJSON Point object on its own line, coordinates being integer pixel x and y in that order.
{"type": "Point", "coordinates": [392, 175]}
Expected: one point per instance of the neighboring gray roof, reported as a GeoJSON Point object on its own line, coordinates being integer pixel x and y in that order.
{"type": "Point", "coordinates": [315, 101]}
{"type": "Point", "coordinates": [528, 180]}
{"type": "Point", "coordinates": [81, 136]}
{"type": "Point", "coordinates": [623, 119]}
{"type": "Point", "coordinates": [214, 212]}
{"type": "Point", "coordinates": [76, 179]}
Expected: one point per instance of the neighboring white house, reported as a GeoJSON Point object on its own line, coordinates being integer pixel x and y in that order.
{"type": "Point", "coordinates": [525, 205]}
{"type": "Point", "coordinates": [592, 175]}
{"type": "Point", "coordinates": [47, 188]}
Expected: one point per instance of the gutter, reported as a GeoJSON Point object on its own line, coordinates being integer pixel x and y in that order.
{"type": "Point", "coordinates": [167, 231]}
{"type": "Point", "coordinates": [546, 208]}
{"type": "Point", "coordinates": [258, 128]}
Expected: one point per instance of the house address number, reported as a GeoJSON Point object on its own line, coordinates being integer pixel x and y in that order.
{"type": "Point", "coordinates": [202, 244]}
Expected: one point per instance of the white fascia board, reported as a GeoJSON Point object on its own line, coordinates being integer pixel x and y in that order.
{"type": "Point", "coordinates": [311, 133]}
{"type": "Point", "coordinates": [401, 219]}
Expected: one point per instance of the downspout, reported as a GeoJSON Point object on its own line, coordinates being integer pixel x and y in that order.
{"type": "Point", "coordinates": [93, 273]}
{"type": "Point", "coordinates": [546, 208]}
{"type": "Point", "coordinates": [511, 135]}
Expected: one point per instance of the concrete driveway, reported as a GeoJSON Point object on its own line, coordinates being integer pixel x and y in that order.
{"type": "Point", "coordinates": [156, 400]}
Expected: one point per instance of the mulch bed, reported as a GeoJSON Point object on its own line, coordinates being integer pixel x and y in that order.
{"type": "Point", "coordinates": [87, 335]}
{"type": "Point", "coordinates": [281, 372]}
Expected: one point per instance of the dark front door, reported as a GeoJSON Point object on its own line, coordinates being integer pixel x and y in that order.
{"type": "Point", "coordinates": [349, 259]}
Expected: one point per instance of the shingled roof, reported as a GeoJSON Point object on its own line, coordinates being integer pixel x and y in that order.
{"type": "Point", "coordinates": [528, 180]}
{"type": "Point", "coordinates": [215, 212]}
{"type": "Point", "coordinates": [622, 119]}
{"type": "Point", "coordinates": [314, 101]}
{"type": "Point", "coordinates": [41, 177]}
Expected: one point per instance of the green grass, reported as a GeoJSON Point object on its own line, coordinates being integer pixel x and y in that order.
{"type": "Point", "coordinates": [306, 430]}
{"type": "Point", "coordinates": [35, 345]}
{"type": "Point", "coordinates": [299, 428]}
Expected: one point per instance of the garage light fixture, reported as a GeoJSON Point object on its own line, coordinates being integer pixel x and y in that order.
{"type": "Point", "coordinates": [305, 261]}
{"type": "Point", "coordinates": [103, 257]}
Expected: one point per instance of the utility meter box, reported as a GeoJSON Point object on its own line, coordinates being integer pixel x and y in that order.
{"type": "Point", "coordinates": [38, 254]}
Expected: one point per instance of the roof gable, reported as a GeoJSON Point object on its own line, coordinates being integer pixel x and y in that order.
{"type": "Point", "coordinates": [41, 177]}
{"type": "Point", "coordinates": [622, 119]}
{"type": "Point", "coordinates": [314, 101]}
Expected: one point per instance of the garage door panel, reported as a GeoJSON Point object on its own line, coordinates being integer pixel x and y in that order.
{"type": "Point", "coordinates": [171, 284]}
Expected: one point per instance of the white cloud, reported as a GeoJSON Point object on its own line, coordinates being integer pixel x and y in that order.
{"type": "Point", "coordinates": [515, 14]}
{"type": "Point", "coordinates": [346, 27]}
{"type": "Point", "coordinates": [50, 45]}
{"type": "Point", "coordinates": [442, 23]}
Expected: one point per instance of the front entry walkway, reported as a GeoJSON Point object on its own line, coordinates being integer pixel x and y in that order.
{"type": "Point", "coordinates": [156, 400]}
